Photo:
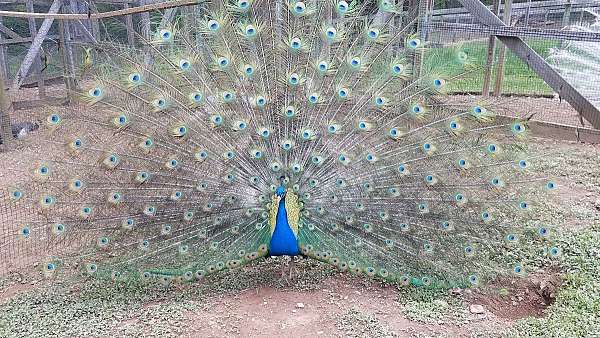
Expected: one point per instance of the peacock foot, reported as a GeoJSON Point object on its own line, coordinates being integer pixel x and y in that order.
{"type": "Point", "coordinates": [288, 271]}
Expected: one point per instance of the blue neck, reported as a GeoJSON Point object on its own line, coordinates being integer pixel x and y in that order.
{"type": "Point", "coordinates": [283, 241]}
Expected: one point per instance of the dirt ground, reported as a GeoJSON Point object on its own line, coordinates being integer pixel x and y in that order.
{"type": "Point", "coordinates": [253, 302]}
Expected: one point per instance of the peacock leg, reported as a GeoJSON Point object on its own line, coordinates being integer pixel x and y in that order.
{"type": "Point", "coordinates": [292, 268]}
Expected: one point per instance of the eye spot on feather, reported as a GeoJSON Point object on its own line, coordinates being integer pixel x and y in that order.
{"type": "Point", "coordinates": [299, 8]}
{"type": "Point", "coordinates": [53, 120]}
{"type": "Point", "coordinates": [49, 268]}
{"type": "Point", "coordinates": [223, 62]}
{"type": "Point", "coordinates": [213, 25]}
{"type": "Point", "coordinates": [379, 101]}
{"type": "Point", "coordinates": [413, 43]}
{"type": "Point", "coordinates": [373, 33]}
{"type": "Point", "coordinates": [248, 70]}
{"type": "Point", "coordinates": [296, 44]}
{"type": "Point", "coordinates": [25, 232]}
{"type": "Point", "coordinates": [519, 269]}
{"type": "Point", "coordinates": [102, 242]}
{"type": "Point", "coordinates": [127, 224]}
{"type": "Point", "coordinates": [15, 194]}
{"type": "Point", "coordinates": [523, 164]}
{"type": "Point", "coordinates": [323, 66]}
{"type": "Point", "coordinates": [227, 97]}
{"type": "Point", "coordinates": [446, 225]}
{"type": "Point", "coordinates": [342, 7]}
{"type": "Point", "coordinates": [185, 64]}
{"type": "Point", "coordinates": [261, 101]}
{"type": "Point", "coordinates": [250, 31]}
{"type": "Point", "coordinates": [294, 79]}
{"type": "Point", "coordinates": [330, 33]}
{"type": "Point", "coordinates": [289, 112]}
{"type": "Point", "coordinates": [96, 92]}
{"type": "Point", "coordinates": [135, 78]}
{"type": "Point", "coordinates": [518, 128]}
{"type": "Point", "coordinates": [486, 216]}
{"type": "Point", "coordinates": [243, 4]}
{"type": "Point", "coordinates": [397, 69]}
{"type": "Point", "coordinates": [47, 201]}
{"type": "Point", "coordinates": [165, 34]}
{"type": "Point", "coordinates": [473, 280]}
{"type": "Point", "coordinates": [403, 169]}
{"type": "Point", "coordinates": [523, 205]}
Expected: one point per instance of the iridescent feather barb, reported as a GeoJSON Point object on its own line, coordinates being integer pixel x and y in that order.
{"type": "Point", "coordinates": [169, 166]}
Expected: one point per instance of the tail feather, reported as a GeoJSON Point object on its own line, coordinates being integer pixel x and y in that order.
{"type": "Point", "coordinates": [166, 167]}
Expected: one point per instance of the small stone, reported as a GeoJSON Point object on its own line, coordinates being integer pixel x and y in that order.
{"type": "Point", "coordinates": [476, 308]}
{"type": "Point", "coordinates": [300, 305]}
{"type": "Point", "coordinates": [456, 292]}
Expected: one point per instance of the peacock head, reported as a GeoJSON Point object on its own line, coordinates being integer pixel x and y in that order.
{"type": "Point", "coordinates": [281, 189]}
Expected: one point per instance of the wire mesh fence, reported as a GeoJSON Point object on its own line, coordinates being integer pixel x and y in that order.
{"type": "Point", "coordinates": [544, 26]}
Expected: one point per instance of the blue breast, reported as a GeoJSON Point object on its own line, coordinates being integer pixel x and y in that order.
{"type": "Point", "coordinates": [283, 241]}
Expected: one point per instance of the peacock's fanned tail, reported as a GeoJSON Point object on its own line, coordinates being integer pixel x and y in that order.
{"type": "Point", "coordinates": [167, 166]}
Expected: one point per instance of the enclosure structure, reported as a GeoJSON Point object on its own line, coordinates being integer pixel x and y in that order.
{"type": "Point", "coordinates": [42, 46]}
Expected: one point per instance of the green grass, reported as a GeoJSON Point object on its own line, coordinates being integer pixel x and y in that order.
{"type": "Point", "coordinates": [518, 77]}
{"type": "Point", "coordinates": [576, 311]}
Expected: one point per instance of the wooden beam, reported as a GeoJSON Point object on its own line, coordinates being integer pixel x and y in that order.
{"type": "Point", "coordinates": [24, 40]}
{"type": "Point", "coordinates": [37, 63]}
{"type": "Point", "coordinates": [94, 16]}
{"type": "Point", "coordinates": [537, 64]}
{"type": "Point", "coordinates": [535, 6]}
{"type": "Point", "coordinates": [9, 32]}
{"type": "Point", "coordinates": [36, 44]}
{"type": "Point", "coordinates": [519, 31]}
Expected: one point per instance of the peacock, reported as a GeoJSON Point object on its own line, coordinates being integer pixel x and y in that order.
{"type": "Point", "coordinates": [246, 129]}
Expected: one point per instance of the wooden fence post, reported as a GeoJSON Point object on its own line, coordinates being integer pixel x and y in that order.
{"type": "Point", "coordinates": [129, 25]}
{"type": "Point", "coordinates": [5, 109]}
{"type": "Point", "coordinates": [3, 64]}
{"type": "Point", "coordinates": [502, 52]}
{"type": "Point", "coordinates": [489, 64]}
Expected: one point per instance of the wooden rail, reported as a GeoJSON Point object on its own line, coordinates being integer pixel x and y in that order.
{"type": "Point", "coordinates": [109, 14]}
